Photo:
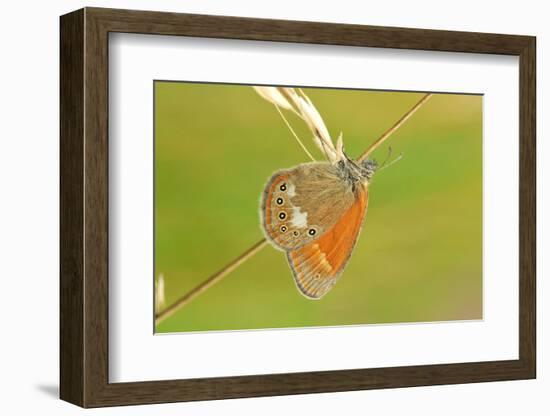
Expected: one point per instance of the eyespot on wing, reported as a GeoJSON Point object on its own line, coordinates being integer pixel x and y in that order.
{"type": "Point", "coordinates": [307, 200]}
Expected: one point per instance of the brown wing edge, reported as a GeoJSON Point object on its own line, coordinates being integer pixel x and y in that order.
{"type": "Point", "coordinates": [263, 216]}
{"type": "Point", "coordinates": [302, 289]}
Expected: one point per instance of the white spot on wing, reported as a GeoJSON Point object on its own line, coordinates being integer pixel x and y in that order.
{"type": "Point", "coordinates": [299, 218]}
{"type": "Point", "coordinates": [291, 190]}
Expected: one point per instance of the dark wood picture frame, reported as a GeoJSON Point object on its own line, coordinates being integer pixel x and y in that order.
{"type": "Point", "coordinates": [84, 207]}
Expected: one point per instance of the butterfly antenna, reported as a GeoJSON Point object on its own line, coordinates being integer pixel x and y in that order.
{"type": "Point", "coordinates": [385, 166]}
{"type": "Point", "coordinates": [294, 133]}
{"type": "Point", "coordinates": [387, 157]}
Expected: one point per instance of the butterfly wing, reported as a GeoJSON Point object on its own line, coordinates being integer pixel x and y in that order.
{"type": "Point", "coordinates": [317, 265]}
{"type": "Point", "coordinates": [299, 205]}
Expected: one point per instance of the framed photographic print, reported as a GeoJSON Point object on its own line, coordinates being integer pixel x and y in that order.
{"type": "Point", "coordinates": [255, 207]}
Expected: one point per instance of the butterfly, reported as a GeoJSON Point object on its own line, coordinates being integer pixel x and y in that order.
{"type": "Point", "coordinates": [314, 212]}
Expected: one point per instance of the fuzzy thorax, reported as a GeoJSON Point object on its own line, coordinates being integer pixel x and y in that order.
{"type": "Point", "coordinates": [354, 172]}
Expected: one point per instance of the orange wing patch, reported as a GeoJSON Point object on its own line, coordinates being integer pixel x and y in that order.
{"type": "Point", "coordinates": [317, 265]}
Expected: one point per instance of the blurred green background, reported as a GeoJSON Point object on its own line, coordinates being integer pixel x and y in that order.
{"type": "Point", "coordinates": [418, 258]}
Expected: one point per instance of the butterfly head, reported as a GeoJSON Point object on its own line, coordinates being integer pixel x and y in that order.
{"type": "Point", "coordinates": [355, 172]}
{"type": "Point", "coordinates": [368, 168]}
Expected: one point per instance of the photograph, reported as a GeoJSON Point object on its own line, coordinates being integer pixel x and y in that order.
{"type": "Point", "coordinates": [279, 207]}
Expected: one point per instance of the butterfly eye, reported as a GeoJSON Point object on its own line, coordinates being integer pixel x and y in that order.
{"type": "Point", "coordinates": [280, 201]}
{"type": "Point", "coordinates": [283, 228]}
{"type": "Point", "coordinates": [312, 231]}
{"type": "Point", "coordinates": [282, 215]}
{"type": "Point", "coordinates": [283, 187]}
